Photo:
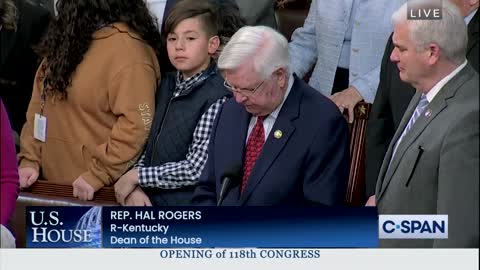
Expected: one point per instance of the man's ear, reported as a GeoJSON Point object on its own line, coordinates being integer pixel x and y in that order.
{"type": "Point", "coordinates": [282, 77]}
{"type": "Point", "coordinates": [213, 44]}
{"type": "Point", "coordinates": [473, 3]}
{"type": "Point", "coordinates": [434, 53]}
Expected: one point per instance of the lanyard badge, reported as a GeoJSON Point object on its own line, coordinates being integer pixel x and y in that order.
{"type": "Point", "coordinates": [40, 123]}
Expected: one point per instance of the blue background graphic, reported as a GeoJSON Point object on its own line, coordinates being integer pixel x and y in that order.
{"type": "Point", "coordinates": [262, 227]}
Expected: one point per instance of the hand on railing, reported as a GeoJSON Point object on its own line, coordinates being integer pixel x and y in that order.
{"type": "Point", "coordinates": [137, 198]}
{"type": "Point", "coordinates": [347, 100]}
{"type": "Point", "coordinates": [48, 191]}
{"type": "Point", "coordinates": [126, 185]}
{"type": "Point", "coordinates": [82, 190]}
{"type": "Point", "coordinates": [27, 176]}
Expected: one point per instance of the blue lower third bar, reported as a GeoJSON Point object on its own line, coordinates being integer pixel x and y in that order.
{"type": "Point", "coordinates": [202, 227]}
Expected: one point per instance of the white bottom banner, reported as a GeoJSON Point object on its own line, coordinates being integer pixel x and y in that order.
{"type": "Point", "coordinates": [318, 259]}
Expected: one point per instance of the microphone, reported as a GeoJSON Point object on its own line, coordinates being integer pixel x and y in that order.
{"type": "Point", "coordinates": [229, 179]}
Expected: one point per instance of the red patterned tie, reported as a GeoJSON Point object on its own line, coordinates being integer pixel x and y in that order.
{"type": "Point", "coordinates": [253, 149]}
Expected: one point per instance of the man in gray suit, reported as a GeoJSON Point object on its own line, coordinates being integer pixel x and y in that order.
{"type": "Point", "coordinates": [431, 166]}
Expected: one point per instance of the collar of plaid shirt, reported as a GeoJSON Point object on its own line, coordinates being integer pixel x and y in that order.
{"type": "Point", "coordinates": [182, 84]}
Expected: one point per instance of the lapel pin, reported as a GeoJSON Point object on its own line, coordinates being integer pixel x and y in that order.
{"type": "Point", "coordinates": [278, 134]}
{"type": "Point", "coordinates": [428, 113]}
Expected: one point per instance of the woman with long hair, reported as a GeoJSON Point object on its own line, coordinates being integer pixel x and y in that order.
{"type": "Point", "coordinates": [94, 95]}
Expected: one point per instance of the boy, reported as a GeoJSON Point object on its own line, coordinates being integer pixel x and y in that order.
{"type": "Point", "coordinates": [187, 102]}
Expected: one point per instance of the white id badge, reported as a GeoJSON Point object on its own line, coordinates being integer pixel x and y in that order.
{"type": "Point", "coordinates": [40, 127]}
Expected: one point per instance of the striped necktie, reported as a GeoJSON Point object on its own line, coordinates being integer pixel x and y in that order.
{"type": "Point", "coordinates": [421, 106]}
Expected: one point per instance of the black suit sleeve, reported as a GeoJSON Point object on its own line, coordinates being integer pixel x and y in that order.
{"type": "Point", "coordinates": [38, 18]}
{"type": "Point", "coordinates": [326, 170]}
{"type": "Point", "coordinates": [42, 22]}
{"type": "Point", "coordinates": [380, 127]}
{"type": "Point", "coordinates": [473, 56]}
{"type": "Point", "coordinates": [19, 62]}
{"type": "Point", "coordinates": [473, 42]}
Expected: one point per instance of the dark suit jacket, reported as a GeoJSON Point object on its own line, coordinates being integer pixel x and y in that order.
{"type": "Point", "coordinates": [18, 62]}
{"type": "Point", "coordinates": [308, 164]}
{"type": "Point", "coordinates": [391, 100]}
{"type": "Point", "coordinates": [435, 167]}
{"type": "Point", "coordinates": [258, 12]}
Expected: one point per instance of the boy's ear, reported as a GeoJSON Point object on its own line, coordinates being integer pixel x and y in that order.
{"type": "Point", "coordinates": [213, 44]}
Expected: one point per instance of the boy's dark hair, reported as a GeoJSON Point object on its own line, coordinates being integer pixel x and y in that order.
{"type": "Point", "coordinates": [230, 20]}
{"type": "Point", "coordinates": [186, 9]}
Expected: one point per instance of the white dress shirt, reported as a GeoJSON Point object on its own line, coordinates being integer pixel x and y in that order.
{"type": "Point", "coordinates": [157, 8]}
{"type": "Point", "coordinates": [437, 87]}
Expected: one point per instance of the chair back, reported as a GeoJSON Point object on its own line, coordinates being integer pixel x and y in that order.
{"type": "Point", "coordinates": [356, 180]}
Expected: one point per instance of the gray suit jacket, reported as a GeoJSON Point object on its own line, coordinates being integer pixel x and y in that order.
{"type": "Point", "coordinates": [435, 169]}
{"type": "Point", "coordinates": [258, 12]}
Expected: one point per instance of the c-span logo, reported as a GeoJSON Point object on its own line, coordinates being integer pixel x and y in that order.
{"type": "Point", "coordinates": [413, 226]}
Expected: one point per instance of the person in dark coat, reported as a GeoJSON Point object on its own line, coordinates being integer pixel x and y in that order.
{"type": "Point", "coordinates": [22, 27]}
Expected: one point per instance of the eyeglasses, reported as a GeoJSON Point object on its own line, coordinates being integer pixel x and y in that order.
{"type": "Point", "coordinates": [245, 91]}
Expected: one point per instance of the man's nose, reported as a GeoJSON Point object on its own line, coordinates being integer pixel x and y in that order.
{"type": "Point", "coordinates": [239, 97]}
{"type": "Point", "coordinates": [394, 55]}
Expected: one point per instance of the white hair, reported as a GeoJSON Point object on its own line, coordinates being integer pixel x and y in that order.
{"type": "Point", "coordinates": [267, 48]}
{"type": "Point", "coordinates": [449, 32]}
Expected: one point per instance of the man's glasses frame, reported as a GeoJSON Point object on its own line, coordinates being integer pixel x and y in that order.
{"type": "Point", "coordinates": [247, 91]}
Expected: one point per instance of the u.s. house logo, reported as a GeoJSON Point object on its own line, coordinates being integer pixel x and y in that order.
{"type": "Point", "coordinates": [413, 226]}
{"type": "Point", "coordinates": [54, 227]}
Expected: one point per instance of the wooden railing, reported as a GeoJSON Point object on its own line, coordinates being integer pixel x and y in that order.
{"type": "Point", "coordinates": [44, 189]}
{"type": "Point", "coordinates": [43, 193]}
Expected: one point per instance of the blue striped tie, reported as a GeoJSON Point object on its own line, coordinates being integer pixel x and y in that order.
{"type": "Point", "coordinates": [422, 104]}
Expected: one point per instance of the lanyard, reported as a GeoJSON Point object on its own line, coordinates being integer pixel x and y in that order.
{"type": "Point", "coordinates": [43, 97]}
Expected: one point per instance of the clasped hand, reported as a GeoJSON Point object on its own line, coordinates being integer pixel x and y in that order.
{"type": "Point", "coordinates": [347, 100]}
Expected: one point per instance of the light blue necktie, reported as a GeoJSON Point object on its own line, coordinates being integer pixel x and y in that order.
{"type": "Point", "coordinates": [421, 106]}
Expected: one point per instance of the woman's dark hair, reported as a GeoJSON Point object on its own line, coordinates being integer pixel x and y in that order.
{"type": "Point", "coordinates": [70, 34]}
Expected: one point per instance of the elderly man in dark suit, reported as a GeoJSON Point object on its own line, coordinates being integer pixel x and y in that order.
{"type": "Point", "coordinates": [431, 165]}
{"type": "Point", "coordinates": [393, 96]}
{"type": "Point", "coordinates": [288, 141]}
{"type": "Point", "coordinates": [22, 26]}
